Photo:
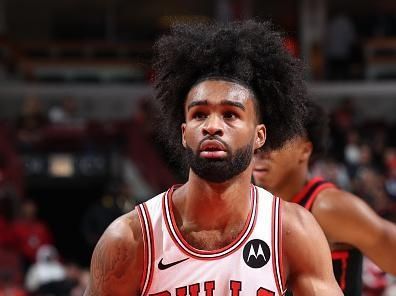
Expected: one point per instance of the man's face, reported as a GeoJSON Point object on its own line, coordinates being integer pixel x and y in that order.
{"type": "Point", "coordinates": [274, 169]}
{"type": "Point", "coordinates": [221, 131]}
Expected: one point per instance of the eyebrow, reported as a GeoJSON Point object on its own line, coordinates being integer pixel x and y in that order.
{"type": "Point", "coordinates": [223, 102]}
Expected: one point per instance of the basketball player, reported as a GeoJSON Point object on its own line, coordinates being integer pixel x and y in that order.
{"type": "Point", "coordinates": [350, 226]}
{"type": "Point", "coordinates": [217, 234]}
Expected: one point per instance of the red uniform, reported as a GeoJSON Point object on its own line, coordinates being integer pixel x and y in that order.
{"type": "Point", "coordinates": [347, 264]}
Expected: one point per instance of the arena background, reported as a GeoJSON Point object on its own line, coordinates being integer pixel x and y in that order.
{"type": "Point", "coordinates": [77, 148]}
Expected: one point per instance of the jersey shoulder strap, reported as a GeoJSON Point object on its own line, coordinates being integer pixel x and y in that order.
{"type": "Point", "coordinates": [308, 194]}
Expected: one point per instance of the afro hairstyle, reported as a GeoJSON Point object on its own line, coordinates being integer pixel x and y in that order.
{"type": "Point", "coordinates": [251, 52]}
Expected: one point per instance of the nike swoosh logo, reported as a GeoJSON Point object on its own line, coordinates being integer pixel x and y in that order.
{"type": "Point", "coordinates": [163, 266]}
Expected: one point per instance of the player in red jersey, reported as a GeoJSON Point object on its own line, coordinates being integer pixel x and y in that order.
{"type": "Point", "coordinates": [350, 225]}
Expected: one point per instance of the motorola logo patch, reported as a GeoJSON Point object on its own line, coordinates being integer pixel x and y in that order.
{"type": "Point", "coordinates": [256, 253]}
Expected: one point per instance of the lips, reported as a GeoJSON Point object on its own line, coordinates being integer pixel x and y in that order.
{"type": "Point", "coordinates": [212, 145]}
{"type": "Point", "coordinates": [260, 173]}
{"type": "Point", "coordinates": [260, 169]}
{"type": "Point", "coordinates": [212, 149]}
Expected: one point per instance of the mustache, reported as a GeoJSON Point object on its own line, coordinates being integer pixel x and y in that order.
{"type": "Point", "coordinates": [216, 138]}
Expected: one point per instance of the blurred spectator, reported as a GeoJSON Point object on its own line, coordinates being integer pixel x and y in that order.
{"type": "Point", "coordinates": [369, 185]}
{"type": "Point", "coordinates": [30, 232]}
{"type": "Point", "coordinates": [333, 172]}
{"type": "Point", "coordinates": [352, 152]}
{"type": "Point", "coordinates": [341, 37]}
{"type": "Point", "coordinates": [30, 122]}
{"type": "Point", "coordinates": [343, 119]}
{"type": "Point", "coordinates": [46, 271]}
{"type": "Point", "coordinates": [66, 113]}
{"type": "Point", "coordinates": [366, 156]}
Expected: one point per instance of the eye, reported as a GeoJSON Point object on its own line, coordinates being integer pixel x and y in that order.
{"type": "Point", "coordinates": [230, 115]}
{"type": "Point", "coordinates": [199, 115]}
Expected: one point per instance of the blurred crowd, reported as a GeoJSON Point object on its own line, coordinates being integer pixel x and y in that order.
{"type": "Point", "coordinates": [350, 44]}
{"type": "Point", "coordinates": [30, 263]}
{"type": "Point", "coordinates": [362, 158]}
{"type": "Point", "coordinates": [356, 47]}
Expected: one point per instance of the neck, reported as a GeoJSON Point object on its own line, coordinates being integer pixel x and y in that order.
{"type": "Point", "coordinates": [292, 185]}
{"type": "Point", "coordinates": [202, 205]}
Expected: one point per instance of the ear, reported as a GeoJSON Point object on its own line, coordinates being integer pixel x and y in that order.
{"type": "Point", "coordinates": [183, 130]}
{"type": "Point", "coordinates": [306, 151]}
{"type": "Point", "coordinates": [261, 135]}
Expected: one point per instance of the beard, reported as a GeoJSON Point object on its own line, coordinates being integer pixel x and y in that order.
{"type": "Point", "coordinates": [220, 170]}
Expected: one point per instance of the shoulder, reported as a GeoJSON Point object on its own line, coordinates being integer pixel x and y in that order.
{"type": "Point", "coordinates": [331, 199]}
{"type": "Point", "coordinates": [125, 228]}
{"type": "Point", "coordinates": [344, 217]}
{"type": "Point", "coordinates": [295, 216]}
{"type": "Point", "coordinates": [333, 204]}
{"type": "Point", "coordinates": [117, 257]}
{"type": "Point", "coordinates": [298, 226]}
{"type": "Point", "coordinates": [124, 237]}
{"type": "Point", "coordinates": [300, 232]}
{"type": "Point", "coordinates": [306, 253]}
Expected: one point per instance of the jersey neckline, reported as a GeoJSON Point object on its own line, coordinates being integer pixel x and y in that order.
{"type": "Point", "coordinates": [189, 250]}
{"type": "Point", "coordinates": [300, 195]}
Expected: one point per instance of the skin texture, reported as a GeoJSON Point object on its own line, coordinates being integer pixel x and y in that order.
{"type": "Point", "coordinates": [345, 219]}
{"type": "Point", "coordinates": [307, 254]}
{"type": "Point", "coordinates": [117, 261]}
{"type": "Point", "coordinates": [225, 110]}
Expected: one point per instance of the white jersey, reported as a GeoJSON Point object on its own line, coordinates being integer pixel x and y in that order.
{"type": "Point", "coordinates": [248, 266]}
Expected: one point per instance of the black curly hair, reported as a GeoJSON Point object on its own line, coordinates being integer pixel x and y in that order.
{"type": "Point", "coordinates": [251, 52]}
{"type": "Point", "coordinates": [316, 125]}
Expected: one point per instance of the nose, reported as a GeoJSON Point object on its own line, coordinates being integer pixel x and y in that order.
{"type": "Point", "coordinates": [213, 126]}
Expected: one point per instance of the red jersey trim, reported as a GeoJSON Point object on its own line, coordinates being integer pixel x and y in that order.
{"type": "Point", "coordinates": [189, 250]}
{"type": "Point", "coordinates": [149, 251]}
{"type": "Point", "coordinates": [280, 250]}
{"type": "Point", "coordinates": [276, 247]}
{"type": "Point", "coordinates": [314, 194]}
{"type": "Point", "coordinates": [145, 248]}
{"type": "Point", "coordinates": [302, 199]}
{"type": "Point", "coordinates": [299, 196]}
{"type": "Point", "coordinates": [343, 257]}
